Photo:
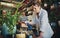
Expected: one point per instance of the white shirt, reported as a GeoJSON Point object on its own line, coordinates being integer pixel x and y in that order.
{"type": "Point", "coordinates": [43, 23]}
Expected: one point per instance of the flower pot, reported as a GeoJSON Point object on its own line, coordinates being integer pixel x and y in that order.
{"type": "Point", "coordinates": [20, 36]}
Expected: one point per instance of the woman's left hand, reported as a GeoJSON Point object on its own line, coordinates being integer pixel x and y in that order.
{"type": "Point", "coordinates": [41, 35]}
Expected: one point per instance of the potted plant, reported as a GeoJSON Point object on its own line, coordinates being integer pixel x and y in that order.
{"type": "Point", "coordinates": [9, 20]}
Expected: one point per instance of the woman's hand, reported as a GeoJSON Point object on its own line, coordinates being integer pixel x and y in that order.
{"type": "Point", "coordinates": [41, 35]}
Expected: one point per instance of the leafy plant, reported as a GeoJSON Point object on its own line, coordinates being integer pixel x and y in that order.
{"type": "Point", "coordinates": [11, 20]}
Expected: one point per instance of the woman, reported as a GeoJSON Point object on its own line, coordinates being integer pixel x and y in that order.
{"type": "Point", "coordinates": [41, 18]}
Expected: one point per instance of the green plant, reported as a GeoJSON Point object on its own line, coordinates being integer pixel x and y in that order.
{"type": "Point", "coordinates": [10, 19]}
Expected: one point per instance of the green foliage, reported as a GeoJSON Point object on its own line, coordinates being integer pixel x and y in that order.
{"type": "Point", "coordinates": [11, 19]}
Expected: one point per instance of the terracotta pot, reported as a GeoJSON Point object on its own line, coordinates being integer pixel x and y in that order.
{"type": "Point", "coordinates": [20, 36]}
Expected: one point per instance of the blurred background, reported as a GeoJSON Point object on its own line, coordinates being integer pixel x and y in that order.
{"type": "Point", "coordinates": [52, 7]}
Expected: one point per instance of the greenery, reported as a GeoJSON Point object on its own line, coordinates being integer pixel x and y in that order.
{"type": "Point", "coordinates": [11, 18]}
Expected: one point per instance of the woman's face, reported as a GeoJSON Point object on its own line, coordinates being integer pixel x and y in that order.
{"type": "Point", "coordinates": [36, 9]}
